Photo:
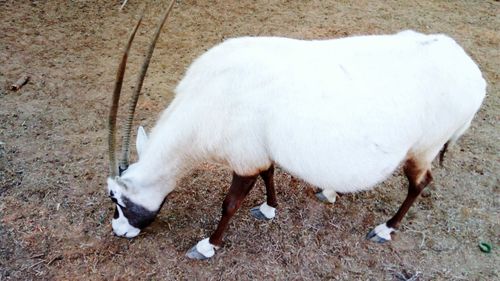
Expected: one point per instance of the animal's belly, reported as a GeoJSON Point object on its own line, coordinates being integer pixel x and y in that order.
{"type": "Point", "coordinates": [345, 160]}
{"type": "Point", "coordinates": [341, 170]}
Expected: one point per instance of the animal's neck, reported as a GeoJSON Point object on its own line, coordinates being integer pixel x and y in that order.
{"type": "Point", "coordinates": [159, 170]}
{"type": "Point", "coordinates": [167, 157]}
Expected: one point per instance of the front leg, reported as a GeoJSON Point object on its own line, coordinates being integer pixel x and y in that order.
{"type": "Point", "coordinates": [239, 189]}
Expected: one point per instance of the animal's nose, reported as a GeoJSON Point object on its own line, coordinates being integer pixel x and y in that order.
{"type": "Point", "coordinates": [121, 229]}
{"type": "Point", "coordinates": [127, 234]}
{"type": "Point", "coordinates": [118, 232]}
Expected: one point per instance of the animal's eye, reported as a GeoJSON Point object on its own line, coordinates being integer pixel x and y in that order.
{"type": "Point", "coordinates": [116, 202]}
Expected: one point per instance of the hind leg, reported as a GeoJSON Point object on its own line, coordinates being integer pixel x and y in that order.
{"type": "Point", "coordinates": [419, 176]}
{"type": "Point", "coordinates": [327, 196]}
{"type": "Point", "coordinates": [267, 210]}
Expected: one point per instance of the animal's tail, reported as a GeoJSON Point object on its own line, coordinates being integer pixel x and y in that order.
{"type": "Point", "coordinates": [452, 141]}
{"type": "Point", "coordinates": [442, 152]}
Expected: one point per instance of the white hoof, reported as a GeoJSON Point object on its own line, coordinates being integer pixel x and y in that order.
{"type": "Point", "coordinates": [202, 250]}
{"type": "Point", "coordinates": [327, 196]}
{"type": "Point", "coordinates": [381, 233]}
{"type": "Point", "coordinates": [263, 212]}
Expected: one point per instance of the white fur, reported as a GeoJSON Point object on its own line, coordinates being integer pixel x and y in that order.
{"type": "Point", "coordinates": [268, 211]}
{"type": "Point", "coordinates": [383, 231]}
{"type": "Point", "coordinates": [340, 114]}
{"type": "Point", "coordinates": [121, 227]}
{"type": "Point", "coordinates": [205, 248]}
{"type": "Point", "coordinates": [115, 189]}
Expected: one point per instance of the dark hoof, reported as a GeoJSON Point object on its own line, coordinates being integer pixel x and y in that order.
{"type": "Point", "coordinates": [195, 255]}
{"type": "Point", "coordinates": [256, 213]}
{"type": "Point", "coordinates": [321, 197]}
{"type": "Point", "coordinates": [375, 238]}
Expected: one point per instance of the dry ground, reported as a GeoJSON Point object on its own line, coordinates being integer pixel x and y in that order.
{"type": "Point", "coordinates": [54, 215]}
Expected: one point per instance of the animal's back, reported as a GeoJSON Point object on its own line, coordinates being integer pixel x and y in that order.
{"type": "Point", "coordinates": [330, 111]}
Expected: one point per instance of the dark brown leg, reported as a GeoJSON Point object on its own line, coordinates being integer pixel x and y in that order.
{"type": "Point", "coordinates": [267, 211]}
{"type": "Point", "coordinates": [419, 176]}
{"type": "Point", "coordinates": [239, 189]}
{"type": "Point", "coordinates": [267, 176]}
{"type": "Point", "coordinates": [418, 180]}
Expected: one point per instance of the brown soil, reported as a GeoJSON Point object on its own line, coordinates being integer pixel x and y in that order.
{"type": "Point", "coordinates": [54, 213]}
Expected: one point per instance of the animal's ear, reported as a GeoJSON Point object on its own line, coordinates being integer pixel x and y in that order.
{"type": "Point", "coordinates": [142, 139]}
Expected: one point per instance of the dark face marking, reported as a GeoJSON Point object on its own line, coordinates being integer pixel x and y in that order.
{"type": "Point", "coordinates": [116, 214]}
{"type": "Point", "coordinates": [113, 198]}
{"type": "Point", "coordinates": [137, 215]}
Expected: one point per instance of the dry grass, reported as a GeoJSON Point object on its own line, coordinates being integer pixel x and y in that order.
{"type": "Point", "coordinates": [54, 215]}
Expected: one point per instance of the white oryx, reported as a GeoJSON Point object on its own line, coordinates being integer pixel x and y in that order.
{"type": "Point", "coordinates": [340, 114]}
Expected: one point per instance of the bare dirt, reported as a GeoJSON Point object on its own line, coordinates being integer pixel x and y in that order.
{"type": "Point", "coordinates": [54, 213]}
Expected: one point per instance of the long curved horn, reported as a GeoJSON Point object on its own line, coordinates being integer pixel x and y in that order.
{"type": "Point", "coordinates": [114, 104]}
{"type": "Point", "coordinates": [123, 165]}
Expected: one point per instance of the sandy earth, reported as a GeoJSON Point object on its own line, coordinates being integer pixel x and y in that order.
{"type": "Point", "coordinates": [54, 213]}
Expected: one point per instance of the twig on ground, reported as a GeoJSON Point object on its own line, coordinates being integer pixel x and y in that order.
{"type": "Point", "coordinates": [56, 258]}
{"type": "Point", "coordinates": [36, 263]}
{"type": "Point", "coordinates": [421, 233]}
{"type": "Point", "coordinates": [37, 256]}
{"type": "Point", "coordinates": [19, 83]}
{"type": "Point", "coordinates": [123, 5]}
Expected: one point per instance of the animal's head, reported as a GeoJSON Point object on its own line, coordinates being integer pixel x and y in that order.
{"type": "Point", "coordinates": [129, 217]}
{"type": "Point", "coordinates": [135, 206]}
